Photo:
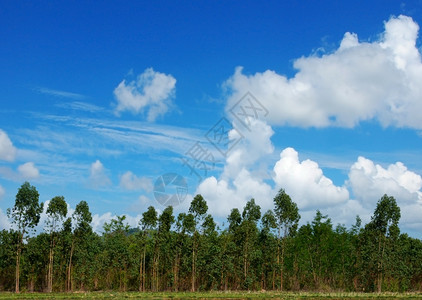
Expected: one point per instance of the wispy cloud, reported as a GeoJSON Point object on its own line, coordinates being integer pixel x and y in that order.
{"type": "Point", "coordinates": [81, 106]}
{"type": "Point", "coordinates": [61, 94]}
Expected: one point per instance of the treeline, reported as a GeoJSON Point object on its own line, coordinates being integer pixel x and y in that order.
{"type": "Point", "coordinates": [256, 250]}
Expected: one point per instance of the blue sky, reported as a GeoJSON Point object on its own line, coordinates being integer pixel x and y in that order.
{"type": "Point", "coordinates": [100, 99]}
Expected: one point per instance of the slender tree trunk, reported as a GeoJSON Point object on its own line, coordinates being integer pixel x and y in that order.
{"type": "Point", "coordinates": [69, 269]}
{"type": "Point", "coordinates": [245, 259]}
{"type": "Point", "coordinates": [144, 271]}
{"type": "Point", "coordinates": [141, 268]}
{"type": "Point", "coordinates": [193, 267]}
{"type": "Point", "coordinates": [273, 279]}
{"type": "Point", "coordinates": [18, 260]}
{"type": "Point", "coordinates": [313, 269]}
{"type": "Point", "coordinates": [282, 264]}
{"type": "Point", "coordinates": [278, 258]}
{"type": "Point", "coordinates": [50, 271]}
{"type": "Point", "coordinates": [381, 258]}
{"type": "Point", "coordinates": [176, 270]}
{"type": "Point", "coordinates": [50, 266]}
{"type": "Point", "coordinates": [379, 265]}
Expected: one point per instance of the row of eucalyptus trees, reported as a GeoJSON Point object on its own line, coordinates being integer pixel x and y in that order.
{"type": "Point", "coordinates": [255, 250]}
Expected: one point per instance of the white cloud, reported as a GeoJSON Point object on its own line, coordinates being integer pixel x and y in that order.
{"type": "Point", "coordinates": [2, 192]}
{"type": "Point", "coordinates": [253, 147]}
{"type": "Point", "coordinates": [359, 81]}
{"type": "Point", "coordinates": [130, 181]}
{"type": "Point", "coordinates": [305, 182]}
{"type": "Point", "coordinates": [58, 93]}
{"type": "Point", "coordinates": [151, 90]}
{"type": "Point", "coordinates": [98, 221]}
{"type": "Point", "coordinates": [370, 181]}
{"type": "Point", "coordinates": [141, 204]}
{"type": "Point", "coordinates": [242, 178]}
{"type": "Point", "coordinates": [4, 221]}
{"type": "Point", "coordinates": [223, 195]}
{"type": "Point", "coordinates": [28, 171]}
{"type": "Point", "coordinates": [7, 150]}
{"type": "Point", "coordinates": [98, 175]}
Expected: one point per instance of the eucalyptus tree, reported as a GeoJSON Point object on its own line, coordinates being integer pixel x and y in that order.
{"type": "Point", "coordinates": [268, 244]}
{"type": "Point", "coordinates": [82, 219]}
{"type": "Point", "coordinates": [383, 228]}
{"type": "Point", "coordinates": [209, 259]}
{"type": "Point", "coordinates": [232, 247]}
{"type": "Point", "coordinates": [25, 214]}
{"type": "Point", "coordinates": [287, 219]}
{"type": "Point", "coordinates": [185, 223]}
{"type": "Point", "coordinates": [250, 216]}
{"type": "Point", "coordinates": [116, 243]}
{"type": "Point", "coordinates": [56, 212]}
{"type": "Point", "coordinates": [163, 250]}
{"type": "Point", "coordinates": [8, 242]}
{"type": "Point", "coordinates": [198, 208]}
{"type": "Point", "coordinates": [148, 223]}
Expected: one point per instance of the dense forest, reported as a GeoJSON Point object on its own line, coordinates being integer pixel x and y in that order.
{"type": "Point", "coordinates": [188, 252]}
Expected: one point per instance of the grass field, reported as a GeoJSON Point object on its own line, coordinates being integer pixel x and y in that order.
{"type": "Point", "coordinates": [209, 295]}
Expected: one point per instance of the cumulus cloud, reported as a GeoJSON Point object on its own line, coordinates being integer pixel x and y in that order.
{"type": "Point", "coordinates": [370, 181]}
{"type": "Point", "coordinates": [130, 181]}
{"type": "Point", "coordinates": [305, 182]}
{"type": "Point", "coordinates": [28, 171]}
{"type": "Point", "coordinates": [151, 91]}
{"type": "Point", "coordinates": [98, 221]}
{"type": "Point", "coordinates": [255, 144]}
{"type": "Point", "coordinates": [7, 150]}
{"type": "Point", "coordinates": [357, 82]}
{"type": "Point", "coordinates": [223, 195]}
{"type": "Point", "coordinates": [241, 179]}
{"type": "Point", "coordinates": [98, 175]}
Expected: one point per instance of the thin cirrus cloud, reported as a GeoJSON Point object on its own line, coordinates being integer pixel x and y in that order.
{"type": "Point", "coordinates": [59, 93]}
{"type": "Point", "coordinates": [151, 92]}
{"type": "Point", "coordinates": [359, 81]}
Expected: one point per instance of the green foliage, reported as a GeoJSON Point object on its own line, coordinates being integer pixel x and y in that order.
{"type": "Point", "coordinates": [191, 253]}
{"type": "Point", "coordinates": [287, 214]}
{"type": "Point", "coordinates": [26, 212]}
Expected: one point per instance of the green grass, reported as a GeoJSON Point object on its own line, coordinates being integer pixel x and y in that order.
{"type": "Point", "coordinates": [209, 295]}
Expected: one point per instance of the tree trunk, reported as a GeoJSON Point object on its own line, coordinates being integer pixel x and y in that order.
{"type": "Point", "coordinates": [282, 265]}
{"type": "Point", "coordinates": [193, 267]}
{"type": "Point", "coordinates": [18, 259]}
{"type": "Point", "coordinates": [379, 266]}
{"type": "Point", "coordinates": [141, 268]}
{"type": "Point", "coordinates": [50, 267]}
{"type": "Point", "coordinates": [176, 270]}
{"type": "Point", "coordinates": [144, 272]}
{"type": "Point", "coordinates": [69, 269]}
